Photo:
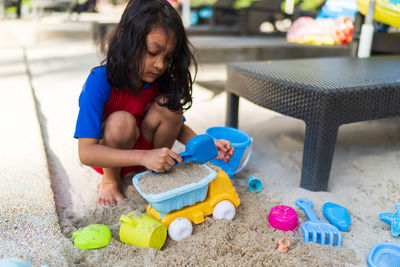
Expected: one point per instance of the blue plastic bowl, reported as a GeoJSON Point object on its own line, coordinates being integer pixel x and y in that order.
{"type": "Point", "coordinates": [239, 140]}
{"type": "Point", "coordinates": [179, 197]}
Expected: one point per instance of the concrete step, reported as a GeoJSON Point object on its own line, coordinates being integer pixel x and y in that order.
{"type": "Point", "coordinates": [29, 225]}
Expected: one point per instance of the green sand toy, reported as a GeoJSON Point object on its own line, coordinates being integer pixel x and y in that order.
{"type": "Point", "coordinates": [92, 236]}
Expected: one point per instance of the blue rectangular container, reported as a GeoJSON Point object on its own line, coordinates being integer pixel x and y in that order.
{"type": "Point", "coordinates": [179, 197]}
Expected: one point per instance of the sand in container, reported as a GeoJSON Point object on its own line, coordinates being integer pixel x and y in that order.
{"type": "Point", "coordinates": [180, 175]}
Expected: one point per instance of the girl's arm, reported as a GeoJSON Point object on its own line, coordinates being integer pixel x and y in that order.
{"type": "Point", "coordinates": [92, 153]}
{"type": "Point", "coordinates": [186, 134]}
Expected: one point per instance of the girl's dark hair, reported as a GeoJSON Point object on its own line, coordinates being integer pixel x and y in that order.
{"type": "Point", "coordinates": [127, 47]}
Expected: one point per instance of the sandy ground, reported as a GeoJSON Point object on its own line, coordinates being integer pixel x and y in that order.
{"type": "Point", "coordinates": [364, 177]}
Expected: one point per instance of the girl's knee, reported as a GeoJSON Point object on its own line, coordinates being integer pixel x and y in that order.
{"type": "Point", "coordinates": [120, 129]}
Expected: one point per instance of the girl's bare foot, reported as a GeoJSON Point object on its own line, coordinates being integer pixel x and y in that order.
{"type": "Point", "coordinates": [109, 194]}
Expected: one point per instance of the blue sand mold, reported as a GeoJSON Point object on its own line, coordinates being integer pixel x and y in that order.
{"type": "Point", "coordinates": [384, 254]}
{"type": "Point", "coordinates": [337, 215]}
{"type": "Point", "coordinates": [393, 219]}
{"type": "Point", "coordinates": [14, 262]}
{"type": "Point", "coordinates": [255, 184]}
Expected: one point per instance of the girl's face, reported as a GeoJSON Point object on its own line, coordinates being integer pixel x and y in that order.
{"type": "Point", "coordinates": [159, 51]}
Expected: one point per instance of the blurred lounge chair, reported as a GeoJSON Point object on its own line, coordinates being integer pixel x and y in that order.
{"type": "Point", "coordinates": [383, 43]}
{"type": "Point", "coordinates": [259, 12]}
{"type": "Point", "coordinates": [87, 6]}
{"type": "Point", "coordinates": [223, 19]}
{"type": "Point", "coordinates": [12, 3]}
{"type": "Point", "coordinates": [307, 9]}
{"type": "Point", "coordinates": [226, 18]}
{"type": "Point", "coordinates": [224, 13]}
{"type": "Point", "coordinates": [48, 6]}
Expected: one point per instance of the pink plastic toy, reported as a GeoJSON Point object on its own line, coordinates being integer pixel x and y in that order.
{"type": "Point", "coordinates": [283, 218]}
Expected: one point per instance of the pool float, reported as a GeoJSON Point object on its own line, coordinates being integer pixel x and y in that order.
{"type": "Point", "coordinates": [386, 11]}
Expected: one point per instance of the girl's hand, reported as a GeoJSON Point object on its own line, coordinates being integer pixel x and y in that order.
{"type": "Point", "coordinates": [225, 149]}
{"type": "Point", "coordinates": [161, 160]}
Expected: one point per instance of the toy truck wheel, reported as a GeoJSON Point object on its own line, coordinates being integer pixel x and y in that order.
{"type": "Point", "coordinates": [224, 210]}
{"type": "Point", "coordinates": [180, 228]}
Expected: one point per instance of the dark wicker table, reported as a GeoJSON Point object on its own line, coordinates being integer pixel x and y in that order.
{"type": "Point", "coordinates": [325, 93]}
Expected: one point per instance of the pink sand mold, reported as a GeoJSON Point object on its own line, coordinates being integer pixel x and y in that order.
{"type": "Point", "coordinates": [283, 218]}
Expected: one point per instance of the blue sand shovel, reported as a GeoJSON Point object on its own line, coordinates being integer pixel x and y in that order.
{"type": "Point", "coordinates": [315, 230]}
{"type": "Point", "coordinates": [199, 149]}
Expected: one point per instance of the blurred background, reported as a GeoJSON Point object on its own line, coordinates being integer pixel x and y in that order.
{"type": "Point", "coordinates": [316, 22]}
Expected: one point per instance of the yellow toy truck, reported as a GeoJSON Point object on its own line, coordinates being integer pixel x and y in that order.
{"type": "Point", "coordinates": [177, 208]}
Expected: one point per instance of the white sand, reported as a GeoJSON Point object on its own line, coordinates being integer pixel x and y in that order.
{"type": "Point", "coordinates": [364, 179]}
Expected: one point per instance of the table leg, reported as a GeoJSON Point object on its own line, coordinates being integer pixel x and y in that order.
{"type": "Point", "coordinates": [319, 145]}
{"type": "Point", "coordinates": [232, 110]}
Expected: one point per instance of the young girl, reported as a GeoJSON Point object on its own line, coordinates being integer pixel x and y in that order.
{"type": "Point", "coordinates": [131, 108]}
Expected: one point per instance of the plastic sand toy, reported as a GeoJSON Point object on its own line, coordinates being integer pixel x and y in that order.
{"type": "Point", "coordinates": [200, 149]}
{"type": "Point", "coordinates": [92, 236]}
{"type": "Point", "coordinates": [283, 218]}
{"type": "Point", "coordinates": [178, 208]}
{"type": "Point", "coordinates": [141, 230]}
{"type": "Point", "coordinates": [14, 262]}
{"type": "Point", "coordinates": [179, 197]}
{"type": "Point", "coordinates": [283, 244]}
{"type": "Point", "coordinates": [384, 254]}
{"type": "Point", "coordinates": [242, 143]}
{"type": "Point", "coordinates": [337, 215]}
{"type": "Point", "coordinates": [315, 230]}
{"type": "Point", "coordinates": [393, 219]}
{"type": "Point", "coordinates": [254, 184]}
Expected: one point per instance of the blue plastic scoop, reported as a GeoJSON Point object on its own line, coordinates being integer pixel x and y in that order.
{"type": "Point", "coordinates": [199, 149]}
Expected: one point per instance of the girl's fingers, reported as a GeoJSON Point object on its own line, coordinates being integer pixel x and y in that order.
{"type": "Point", "coordinates": [231, 150]}
{"type": "Point", "coordinates": [225, 149]}
{"type": "Point", "coordinates": [173, 156]}
{"type": "Point", "coordinates": [167, 167]}
{"type": "Point", "coordinates": [227, 145]}
{"type": "Point", "coordinates": [170, 161]}
{"type": "Point", "coordinates": [160, 170]}
{"type": "Point", "coordinates": [221, 146]}
{"type": "Point", "coordinates": [218, 145]}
